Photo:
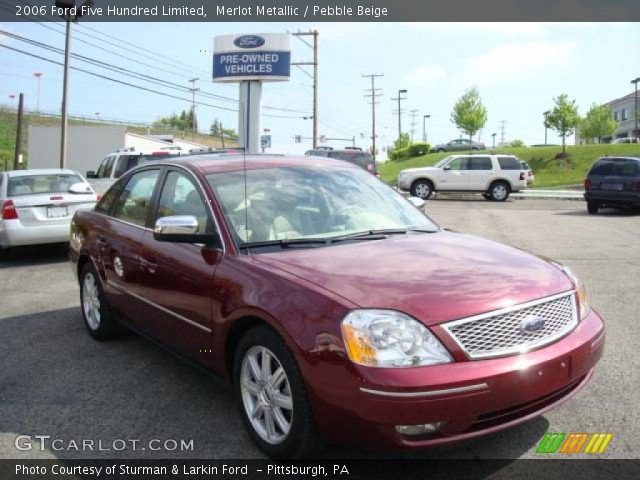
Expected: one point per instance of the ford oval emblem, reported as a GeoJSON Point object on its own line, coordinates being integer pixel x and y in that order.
{"type": "Point", "coordinates": [532, 323]}
{"type": "Point", "coordinates": [249, 41]}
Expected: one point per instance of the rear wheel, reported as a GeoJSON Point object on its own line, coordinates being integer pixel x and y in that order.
{"type": "Point", "coordinates": [474, 149]}
{"type": "Point", "coordinates": [272, 397]}
{"type": "Point", "coordinates": [592, 207]}
{"type": "Point", "coordinates": [441, 150]}
{"type": "Point", "coordinates": [96, 312]}
{"type": "Point", "coordinates": [422, 189]}
{"type": "Point", "coordinates": [499, 191]}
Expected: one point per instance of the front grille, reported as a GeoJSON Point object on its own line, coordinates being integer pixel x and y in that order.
{"type": "Point", "coordinates": [501, 332]}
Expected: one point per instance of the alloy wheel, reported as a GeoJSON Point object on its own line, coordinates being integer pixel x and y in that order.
{"type": "Point", "coordinates": [266, 394]}
{"type": "Point", "coordinates": [91, 301]}
{"type": "Point", "coordinates": [499, 192]}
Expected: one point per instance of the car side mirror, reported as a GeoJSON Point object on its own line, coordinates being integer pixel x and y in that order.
{"type": "Point", "coordinates": [182, 229]}
{"type": "Point", "coordinates": [417, 202]}
{"type": "Point", "coordinates": [80, 188]}
{"type": "Point", "coordinates": [447, 167]}
{"type": "Point", "coordinates": [91, 174]}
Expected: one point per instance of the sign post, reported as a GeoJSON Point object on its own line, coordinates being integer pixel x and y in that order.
{"type": "Point", "coordinates": [251, 60]}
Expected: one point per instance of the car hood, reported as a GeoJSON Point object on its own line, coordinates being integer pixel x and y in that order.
{"type": "Point", "coordinates": [433, 277]}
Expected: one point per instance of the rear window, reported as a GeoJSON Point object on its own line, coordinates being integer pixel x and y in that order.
{"type": "Point", "coordinates": [35, 184]}
{"type": "Point", "coordinates": [619, 167]}
{"type": "Point", "coordinates": [509, 163]}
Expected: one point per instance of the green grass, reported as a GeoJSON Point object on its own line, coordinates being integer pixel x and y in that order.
{"type": "Point", "coordinates": [548, 171]}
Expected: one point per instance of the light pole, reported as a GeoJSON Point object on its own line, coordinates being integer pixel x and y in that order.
{"type": "Point", "coordinates": [97, 114]}
{"type": "Point", "coordinates": [546, 124]}
{"type": "Point", "coordinates": [424, 128]}
{"type": "Point", "coordinates": [635, 82]}
{"type": "Point", "coordinates": [399, 98]}
{"type": "Point", "coordinates": [193, 107]}
{"type": "Point", "coordinates": [494, 140]}
{"type": "Point", "coordinates": [38, 75]}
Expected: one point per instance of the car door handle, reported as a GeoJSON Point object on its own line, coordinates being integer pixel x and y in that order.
{"type": "Point", "coordinates": [148, 263]}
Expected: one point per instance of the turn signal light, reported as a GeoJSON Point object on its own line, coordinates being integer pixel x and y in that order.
{"type": "Point", "coordinates": [587, 183]}
{"type": "Point", "coordinates": [9, 211]}
{"type": "Point", "coordinates": [522, 176]}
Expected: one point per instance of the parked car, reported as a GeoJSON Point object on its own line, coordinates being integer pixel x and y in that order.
{"type": "Point", "coordinates": [626, 140]}
{"type": "Point", "coordinates": [353, 155]}
{"type": "Point", "coordinates": [37, 205]}
{"type": "Point", "coordinates": [461, 144]}
{"type": "Point", "coordinates": [114, 165]}
{"type": "Point", "coordinates": [528, 171]}
{"type": "Point", "coordinates": [495, 176]}
{"type": "Point", "coordinates": [335, 308]}
{"type": "Point", "coordinates": [613, 182]}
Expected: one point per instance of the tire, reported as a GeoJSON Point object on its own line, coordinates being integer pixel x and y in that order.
{"type": "Point", "coordinates": [441, 150]}
{"type": "Point", "coordinates": [302, 438]}
{"type": "Point", "coordinates": [592, 207]}
{"type": "Point", "coordinates": [96, 312]}
{"type": "Point", "coordinates": [474, 149]}
{"type": "Point", "coordinates": [422, 189]}
{"type": "Point", "coordinates": [499, 191]}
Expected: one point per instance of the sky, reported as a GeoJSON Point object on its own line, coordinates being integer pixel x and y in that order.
{"type": "Point", "coordinates": [518, 68]}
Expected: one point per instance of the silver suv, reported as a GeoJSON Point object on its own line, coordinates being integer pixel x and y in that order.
{"type": "Point", "coordinates": [494, 176]}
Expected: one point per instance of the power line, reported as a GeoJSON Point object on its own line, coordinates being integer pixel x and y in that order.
{"type": "Point", "coordinates": [413, 122]}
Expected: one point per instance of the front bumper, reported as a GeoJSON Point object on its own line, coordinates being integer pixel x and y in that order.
{"type": "Point", "coordinates": [13, 233]}
{"type": "Point", "coordinates": [475, 398]}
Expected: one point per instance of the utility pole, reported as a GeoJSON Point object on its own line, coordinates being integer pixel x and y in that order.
{"type": "Point", "coordinates": [424, 127]}
{"type": "Point", "coordinates": [65, 84]}
{"type": "Point", "coordinates": [399, 98]}
{"type": "Point", "coordinates": [314, 63]}
{"type": "Point", "coordinates": [18, 153]}
{"type": "Point", "coordinates": [414, 113]}
{"type": "Point", "coordinates": [546, 124]}
{"type": "Point", "coordinates": [222, 135]}
{"type": "Point", "coordinates": [374, 93]}
{"type": "Point", "coordinates": [193, 107]}
{"type": "Point", "coordinates": [502, 124]}
{"type": "Point", "coordinates": [635, 82]}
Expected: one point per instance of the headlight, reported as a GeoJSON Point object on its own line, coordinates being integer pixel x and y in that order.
{"type": "Point", "coordinates": [386, 338]}
{"type": "Point", "coordinates": [403, 175]}
{"type": "Point", "coordinates": [581, 293]}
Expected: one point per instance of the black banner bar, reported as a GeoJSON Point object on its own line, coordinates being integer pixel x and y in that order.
{"type": "Point", "coordinates": [326, 11]}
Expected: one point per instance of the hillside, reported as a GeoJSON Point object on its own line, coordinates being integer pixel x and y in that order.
{"type": "Point", "coordinates": [548, 171]}
{"type": "Point", "coordinates": [8, 122]}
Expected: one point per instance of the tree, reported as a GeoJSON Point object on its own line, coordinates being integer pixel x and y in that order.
{"type": "Point", "coordinates": [403, 142]}
{"type": "Point", "coordinates": [564, 118]}
{"type": "Point", "coordinates": [469, 115]}
{"type": "Point", "coordinates": [215, 129]}
{"type": "Point", "coordinates": [598, 123]}
{"type": "Point", "coordinates": [517, 143]}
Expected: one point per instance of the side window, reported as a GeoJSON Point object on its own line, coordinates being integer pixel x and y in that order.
{"type": "Point", "coordinates": [103, 167]}
{"type": "Point", "coordinates": [121, 166]}
{"type": "Point", "coordinates": [180, 196]}
{"type": "Point", "coordinates": [457, 163]}
{"type": "Point", "coordinates": [109, 167]}
{"type": "Point", "coordinates": [479, 163]}
{"type": "Point", "coordinates": [108, 199]}
{"type": "Point", "coordinates": [135, 198]}
{"type": "Point", "coordinates": [509, 163]}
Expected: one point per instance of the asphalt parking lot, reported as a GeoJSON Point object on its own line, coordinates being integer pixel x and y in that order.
{"type": "Point", "coordinates": [55, 380]}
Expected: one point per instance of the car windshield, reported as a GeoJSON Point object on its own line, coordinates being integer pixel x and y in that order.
{"type": "Point", "coordinates": [35, 184]}
{"type": "Point", "coordinates": [442, 162]}
{"type": "Point", "coordinates": [311, 203]}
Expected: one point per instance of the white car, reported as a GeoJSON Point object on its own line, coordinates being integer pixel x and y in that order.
{"type": "Point", "coordinates": [527, 169]}
{"type": "Point", "coordinates": [36, 206]}
{"type": "Point", "coordinates": [626, 140]}
{"type": "Point", "coordinates": [494, 176]}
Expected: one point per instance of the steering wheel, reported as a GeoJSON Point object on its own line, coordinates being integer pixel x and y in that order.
{"type": "Point", "coordinates": [341, 211]}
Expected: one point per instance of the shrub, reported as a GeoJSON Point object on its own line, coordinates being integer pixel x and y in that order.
{"type": "Point", "coordinates": [413, 150]}
{"type": "Point", "coordinates": [517, 143]}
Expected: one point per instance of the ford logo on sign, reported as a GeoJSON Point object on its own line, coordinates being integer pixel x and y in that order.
{"type": "Point", "coordinates": [532, 324]}
{"type": "Point", "coordinates": [249, 41]}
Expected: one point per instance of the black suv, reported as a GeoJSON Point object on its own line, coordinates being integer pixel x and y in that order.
{"type": "Point", "coordinates": [352, 155]}
{"type": "Point", "coordinates": [613, 182]}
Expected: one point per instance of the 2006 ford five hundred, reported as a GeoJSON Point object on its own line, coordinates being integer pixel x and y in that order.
{"type": "Point", "coordinates": [338, 311]}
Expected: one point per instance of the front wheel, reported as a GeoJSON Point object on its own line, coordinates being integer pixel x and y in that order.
{"type": "Point", "coordinates": [593, 207]}
{"type": "Point", "coordinates": [272, 397]}
{"type": "Point", "coordinates": [499, 191]}
{"type": "Point", "coordinates": [422, 189]}
{"type": "Point", "coordinates": [96, 312]}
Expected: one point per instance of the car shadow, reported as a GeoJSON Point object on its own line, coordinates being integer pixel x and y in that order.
{"type": "Point", "coordinates": [604, 212]}
{"type": "Point", "coordinates": [34, 255]}
{"type": "Point", "coordinates": [58, 381]}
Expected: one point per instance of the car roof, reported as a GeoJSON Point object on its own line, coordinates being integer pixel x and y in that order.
{"type": "Point", "coordinates": [234, 163]}
{"type": "Point", "coordinates": [40, 171]}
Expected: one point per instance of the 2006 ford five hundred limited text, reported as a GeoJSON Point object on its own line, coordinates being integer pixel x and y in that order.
{"type": "Point", "coordinates": [338, 311]}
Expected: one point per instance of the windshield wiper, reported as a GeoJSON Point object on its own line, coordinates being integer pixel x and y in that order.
{"type": "Point", "coordinates": [286, 242]}
{"type": "Point", "coordinates": [370, 234]}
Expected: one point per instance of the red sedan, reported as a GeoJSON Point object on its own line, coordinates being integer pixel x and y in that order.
{"type": "Point", "coordinates": [338, 311]}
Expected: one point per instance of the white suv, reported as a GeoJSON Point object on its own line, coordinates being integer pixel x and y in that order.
{"type": "Point", "coordinates": [495, 176]}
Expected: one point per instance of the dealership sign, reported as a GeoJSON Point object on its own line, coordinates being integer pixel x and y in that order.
{"type": "Point", "coordinates": [265, 57]}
